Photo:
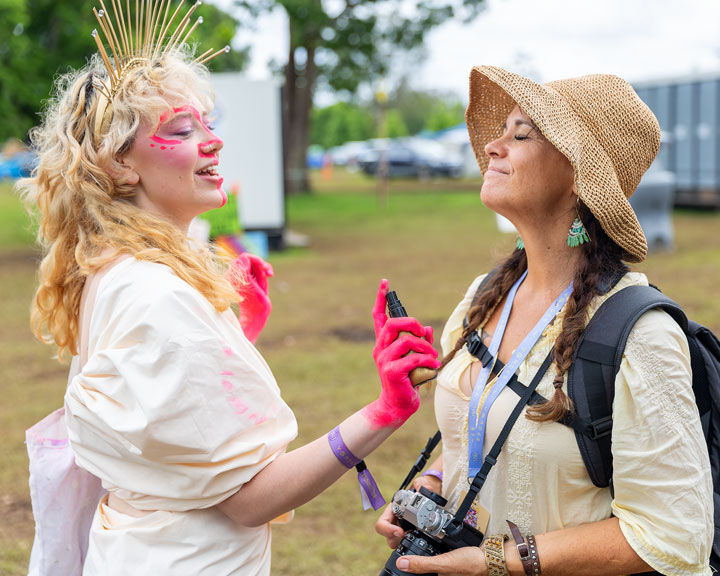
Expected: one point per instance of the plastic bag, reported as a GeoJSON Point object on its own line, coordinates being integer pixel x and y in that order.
{"type": "Point", "coordinates": [64, 498]}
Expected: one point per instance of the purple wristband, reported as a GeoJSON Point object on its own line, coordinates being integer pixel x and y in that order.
{"type": "Point", "coordinates": [433, 472]}
{"type": "Point", "coordinates": [342, 452]}
{"type": "Point", "coordinates": [368, 487]}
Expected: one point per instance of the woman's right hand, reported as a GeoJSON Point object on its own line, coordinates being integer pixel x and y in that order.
{"type": "Point", "coordinates": [395, 339]}
{"type": "Point", "coordinates": [387, 526]}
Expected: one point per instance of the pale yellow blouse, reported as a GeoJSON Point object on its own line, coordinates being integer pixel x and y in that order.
{"type": "Point", "coordinates": [663, 488]}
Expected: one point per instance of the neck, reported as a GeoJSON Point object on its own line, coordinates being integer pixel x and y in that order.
{"type": "Point", "coordinates": [551, 265]}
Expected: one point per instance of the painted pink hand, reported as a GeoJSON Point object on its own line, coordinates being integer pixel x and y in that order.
{"type": "Point", "coordinates": [394, 338]}
{"type": "Point", "coordinates": [248, 274]}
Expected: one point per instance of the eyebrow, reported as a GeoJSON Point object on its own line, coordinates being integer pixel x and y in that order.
{"type": "Point", "coordinates": [519, 122]}
{"type": "Point", "coordinates": [181, 115]}
{"type": "Point", "coordinates": [185, 114]}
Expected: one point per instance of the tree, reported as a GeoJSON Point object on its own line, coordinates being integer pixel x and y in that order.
{"type": "Point", "coordinates": [426, 110]}
{"type": "Point", "coordinates": [394, 124]}
{"type": "Point", "coordinates": [341, 45]}
{"type": "Point", "coordinates": [45, 37]}
{"type": "Point", "coordinates": [445, 115]}
{"type": "Point", "coordinates": [340, 123]}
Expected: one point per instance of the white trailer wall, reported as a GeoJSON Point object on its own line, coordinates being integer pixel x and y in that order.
{"type": "Point", "coordinates": [249, 120]}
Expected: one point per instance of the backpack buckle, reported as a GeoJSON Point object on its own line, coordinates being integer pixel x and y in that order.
{"type": "Point", "coordinates": [601, 427]}
{"type": "Point", "coordinates": [474, 344]}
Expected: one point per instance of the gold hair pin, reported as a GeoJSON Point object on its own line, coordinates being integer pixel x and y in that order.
{"type": "Point", "coordinates": [132, 47]}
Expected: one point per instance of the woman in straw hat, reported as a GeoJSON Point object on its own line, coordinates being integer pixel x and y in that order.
{"type": "Point", "coordinates": [168, 402]}
{"type": "Point", "coordinates": [560, 161]}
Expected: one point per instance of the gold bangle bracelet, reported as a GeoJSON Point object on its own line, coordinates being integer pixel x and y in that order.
{"type": "Point", "coordinates": [495, 555]}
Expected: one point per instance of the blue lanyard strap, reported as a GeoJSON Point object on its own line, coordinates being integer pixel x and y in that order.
{"type": "Point", "coordinates": [479, 408]}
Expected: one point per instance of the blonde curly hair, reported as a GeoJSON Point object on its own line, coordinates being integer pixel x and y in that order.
{"type": "Point", "coordinates": [88, 217]}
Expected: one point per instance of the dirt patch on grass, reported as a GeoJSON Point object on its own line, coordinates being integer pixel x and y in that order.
{"type": "Point", "coordinates": [20, 256]}
{"type": "Point", "coordinates": [18, 523]}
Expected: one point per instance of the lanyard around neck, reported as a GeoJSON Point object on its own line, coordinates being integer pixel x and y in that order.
{"type": "Point", "coordinates": [480, 403]}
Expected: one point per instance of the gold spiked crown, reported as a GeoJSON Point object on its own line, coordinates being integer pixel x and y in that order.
{"type": "Point", "coordinates": [130, 47]}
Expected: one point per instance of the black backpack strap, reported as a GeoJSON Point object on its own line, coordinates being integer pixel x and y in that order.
{"type": "Point", "coordinates": [591, 378]}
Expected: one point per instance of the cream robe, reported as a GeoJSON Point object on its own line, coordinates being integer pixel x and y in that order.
{"type": "Point", "coordinates": [174, 410]}
{"type": "Point", "coordinates": [663, 488]}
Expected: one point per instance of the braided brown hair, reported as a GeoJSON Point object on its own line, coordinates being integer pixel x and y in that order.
{"type": "Point", "coordinates": [602, 260]}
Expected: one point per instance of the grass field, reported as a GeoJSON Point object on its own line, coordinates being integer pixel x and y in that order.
{"type": "Point", "coordinates": [430, 239]}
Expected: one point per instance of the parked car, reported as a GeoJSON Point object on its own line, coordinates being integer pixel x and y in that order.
{"type": "Point", "coordinates": [348, 154]}
{"type": "Point", "coordinates": [411, 158]}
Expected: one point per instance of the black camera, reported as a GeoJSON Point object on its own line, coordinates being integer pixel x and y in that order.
{"type": "Point", "coordinates": [431, 529]}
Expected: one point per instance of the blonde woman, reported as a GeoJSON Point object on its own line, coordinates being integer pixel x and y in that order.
{"type": "Point", "coordinates": [560, 161]}
{"type": "Point", "coordinates": [168, 402]}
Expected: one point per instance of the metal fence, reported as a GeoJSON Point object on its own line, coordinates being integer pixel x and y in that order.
{"type": "Point", "coordinates": [688, 111]}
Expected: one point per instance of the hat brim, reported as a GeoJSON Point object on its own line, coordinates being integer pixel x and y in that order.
{"type": "Point", "coordinates": [494, 92]}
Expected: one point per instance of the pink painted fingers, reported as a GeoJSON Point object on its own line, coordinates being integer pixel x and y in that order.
{"type": "Point", "coordinates": [248, 274]}
{"type": "Point", "coordinates": [394, 338]}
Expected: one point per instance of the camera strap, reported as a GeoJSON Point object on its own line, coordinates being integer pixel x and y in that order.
{"type": "Point", "coordinates": [422, 460]}
{"type": "Point", "coordinates": [491, 458]}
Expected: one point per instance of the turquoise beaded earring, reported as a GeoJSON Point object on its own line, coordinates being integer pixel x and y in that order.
{"type": "Point", "coordinates": [519, 244]}
{"type": "Point", "coordinates": [578, 233]}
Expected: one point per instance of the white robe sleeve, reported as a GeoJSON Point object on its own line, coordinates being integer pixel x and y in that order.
{"type": "Point", "coordinates": [175, 409]}
{"type": "Point", "coordinates": [663, 486]}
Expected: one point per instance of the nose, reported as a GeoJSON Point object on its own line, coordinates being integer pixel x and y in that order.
{"type": "Point", "coordinates": [212, 146]}
{"type": "Point", "coordinates": [495, 147]}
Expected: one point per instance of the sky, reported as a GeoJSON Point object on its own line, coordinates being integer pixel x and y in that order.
{"type": "Point", "coordinates": [546, 40]}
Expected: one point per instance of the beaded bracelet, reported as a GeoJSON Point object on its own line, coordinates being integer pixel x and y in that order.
{"type": "Point", "coordinates": [495, 555]}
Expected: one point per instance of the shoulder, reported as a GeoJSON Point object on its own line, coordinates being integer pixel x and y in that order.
{"type": "Point", "coordinates": [656, 327]}
{"type": "Point", "coordinates": [145, 295]}
{"type": "Point", "coordinates": [474, 285]}
{"type": "Point", "coordinates": [140, 282]}
{"type": "Point", "coordinates": [454, 324]}
{"type": "Point", "coordinates": [464, 304]}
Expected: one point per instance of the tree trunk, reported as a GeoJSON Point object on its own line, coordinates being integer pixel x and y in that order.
{"type": "Point", "coordinates": [299, 87]}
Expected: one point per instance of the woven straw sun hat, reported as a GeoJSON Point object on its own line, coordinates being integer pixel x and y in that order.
{"type": "Point", "coordinates": [598, 122]}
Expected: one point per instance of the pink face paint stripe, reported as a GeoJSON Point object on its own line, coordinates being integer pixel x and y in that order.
{"type": "Point", "coordinates": [158, 139]}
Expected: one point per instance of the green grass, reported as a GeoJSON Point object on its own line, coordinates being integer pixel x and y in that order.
{"type": "Point", "coordinates": [430, 239]}
{"type": "Point", "coordinates": [15, 229]}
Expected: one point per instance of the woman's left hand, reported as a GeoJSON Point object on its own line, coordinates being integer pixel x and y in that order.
{"type": "Point", "coordinates": [248, 275]}
{"type": "Point", "coordinates": [468, 561]}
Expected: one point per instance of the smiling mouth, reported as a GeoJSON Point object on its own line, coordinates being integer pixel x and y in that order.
{"type": "Point", "coordinates": [209, 171]}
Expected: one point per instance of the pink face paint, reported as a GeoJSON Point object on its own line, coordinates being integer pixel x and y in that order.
{"type": "Point", "coordinates": [158, 139]}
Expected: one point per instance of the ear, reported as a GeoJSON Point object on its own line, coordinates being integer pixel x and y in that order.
{"type": "Point", "coordinates": [124, 172]}
{"type": "Point", "coordinates": [119, 169]}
